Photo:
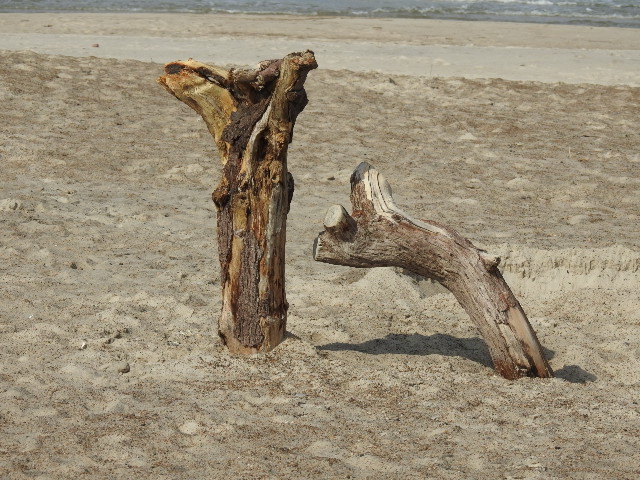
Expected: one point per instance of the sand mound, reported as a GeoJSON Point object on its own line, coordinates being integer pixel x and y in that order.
{"type": "Point", "coordinates": [547, 272]}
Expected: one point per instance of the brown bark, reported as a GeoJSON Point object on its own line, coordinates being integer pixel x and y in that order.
{"type": "Point", "coordinates": [251, 114]}
{"type": "Point", "coordinates": [379, 234]}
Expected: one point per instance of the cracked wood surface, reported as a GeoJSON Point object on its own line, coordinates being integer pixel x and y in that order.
{"type": "Point", "coordinates": [250, 114]}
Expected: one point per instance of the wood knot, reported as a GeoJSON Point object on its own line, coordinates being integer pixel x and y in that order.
{"type": "Point", "coordinates": [340, 224]}
{"type": "Point", "coordinates": [221, 196]}
{"type": "Point", "coordinates": [490, 261]}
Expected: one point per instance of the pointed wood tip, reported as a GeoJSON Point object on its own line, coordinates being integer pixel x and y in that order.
{"type": "Point", "coordinates": [360, 172]}
{"type": "Point", "coordinates": [191, 72]}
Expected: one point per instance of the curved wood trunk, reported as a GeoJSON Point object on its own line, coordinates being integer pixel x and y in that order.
{"type": "Point", "coordinates": [251, 115]}
{"type": "Point", "coordinates": [379, 234]}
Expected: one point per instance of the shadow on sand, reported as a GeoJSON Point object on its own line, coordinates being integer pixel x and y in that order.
{"type": "Point", "coordinates": [473, 349]}
{"type": "Point", "coordinates": [415, 344]}
{"type": "Point", "coordinates": [575, 374]}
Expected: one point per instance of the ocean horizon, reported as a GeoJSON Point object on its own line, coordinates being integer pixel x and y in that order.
{"type": "Point", "coordinates": [603, 13]}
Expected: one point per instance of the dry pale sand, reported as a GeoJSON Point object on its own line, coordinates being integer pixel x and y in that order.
{"type": "Point", "coordinates": [111, 368]}
{"type": "Point", "coordinates": [427, 48]}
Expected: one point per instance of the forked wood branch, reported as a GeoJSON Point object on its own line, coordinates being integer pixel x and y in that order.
{"type": "Point", "coordinates": [251, 114]}
{"type": "Point", "coordinates": [379, 234]}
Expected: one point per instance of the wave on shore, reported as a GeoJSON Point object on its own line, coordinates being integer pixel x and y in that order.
{"type": "Point", "coordinates": [619, 13]}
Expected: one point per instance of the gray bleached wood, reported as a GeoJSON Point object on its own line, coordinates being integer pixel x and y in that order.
{"type": "Point", "coordinates": [379, 234]}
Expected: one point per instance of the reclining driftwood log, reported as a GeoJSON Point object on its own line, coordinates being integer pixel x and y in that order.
{"type": "Point", "coordinates": [379, 234]}
{"type": "Point", "coordinates": [251, 114]}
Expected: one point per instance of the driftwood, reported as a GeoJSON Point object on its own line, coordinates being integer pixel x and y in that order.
{"type": "Point", "coordinates": [379, 234]}
{"type": "Point", "coordinates": [251, 114]}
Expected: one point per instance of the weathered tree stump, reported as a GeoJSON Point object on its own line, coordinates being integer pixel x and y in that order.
{"type": "Point", "coordinates": [379, 234]}
{"type": "Point", "coordinates": [251, 114]}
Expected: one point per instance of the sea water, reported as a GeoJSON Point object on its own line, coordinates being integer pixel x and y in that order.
{"type": "Point", "coordinates": [621, 13]}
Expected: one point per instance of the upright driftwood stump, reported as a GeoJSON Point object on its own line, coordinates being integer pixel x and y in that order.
{"type": "Point", "coordinates": [379, 234]}
{"type": "Point", "coordinates": [251, 114]}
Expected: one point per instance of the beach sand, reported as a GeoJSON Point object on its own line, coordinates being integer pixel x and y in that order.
{"type": "Point", "coordinates": [111, 366]}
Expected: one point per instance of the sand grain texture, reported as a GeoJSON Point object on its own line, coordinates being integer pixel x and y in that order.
{"type": "Point", "coordinates": [111, 367]}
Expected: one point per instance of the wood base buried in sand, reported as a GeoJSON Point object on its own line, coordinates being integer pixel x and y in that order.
{"type": "Point", "coordinates": [251, 114]}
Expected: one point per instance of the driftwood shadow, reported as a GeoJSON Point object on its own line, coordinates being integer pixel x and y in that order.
{"type": "Point", "coordinates": [575, 374]}
{"type": "Point", "coordinates": [415, 344]}
{"type": "Point", "coordinates": [474, 349]}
